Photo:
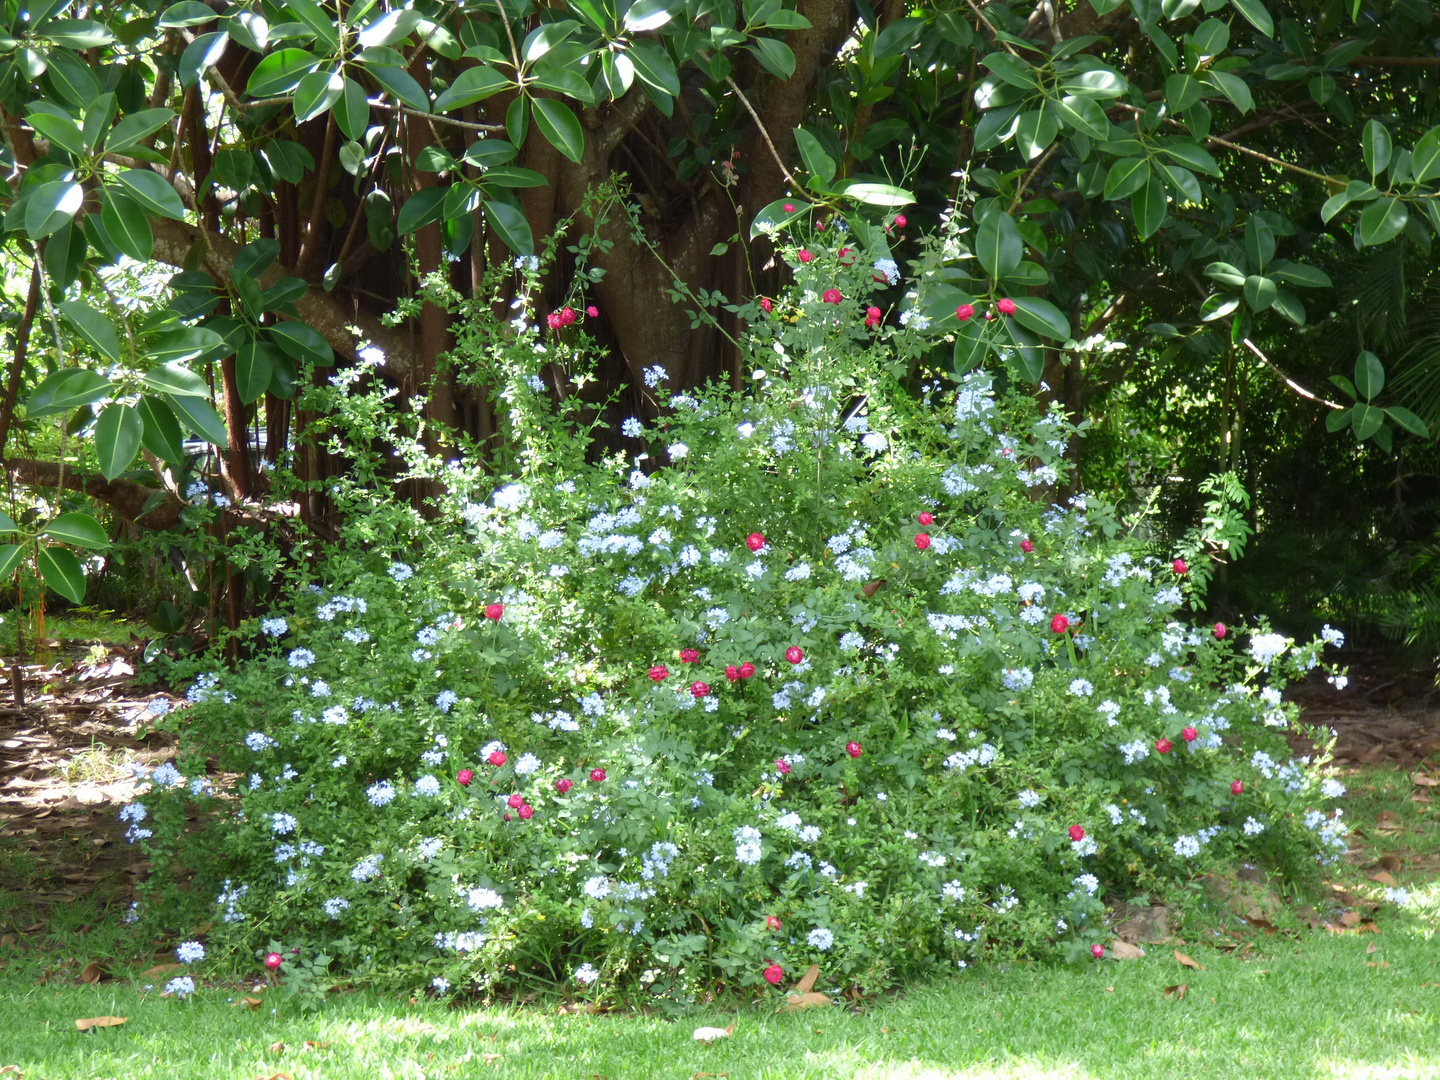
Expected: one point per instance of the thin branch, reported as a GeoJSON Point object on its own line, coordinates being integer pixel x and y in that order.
{"type": "Point", "coordinates": [1291, 383]}
{"type": "Point", "coordinates": [991, 27]}
{"type": "Point", "coordinates": [764, 134]}
{"type": "Point", "coordinates": [1020, 191]}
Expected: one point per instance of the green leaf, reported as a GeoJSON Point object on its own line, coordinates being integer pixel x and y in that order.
{"type": "Point", "coordinates": [1225, 273]}
{"type": "Point", "coordinates": [162, 435]}
{"type": "Point", "coordinates": [421, 209]}
{"type": "Point", "coordinates": [135, 127]}
{"type": "Point", "coordinates": [1382, 220]}
{"type": "Point", "coordinates": [510, 225]}
{"type": "Point", "coordinates": [1365, 420]}
{"type": "Point", "coordinates": [10, 557]}
{"type": "Point", "coordinates": [654, 66]}
{"type": "Point", "coordinates": [1408, 420]}
{"type": "Point", "coordinates": [564, 81]}
{"type": "Point", "coordinates": [1375, 145]}
{"type": "Point", "coordinates": [1259, 243]}
{"type": "Point", "coordinates": [81, 530]}
{"type": "Point", "coordinates": [1178, 9]}
{"type": "Point", "coordinates": [316, 93]}
{"type": "Point", "coordinates": [152, 192]}
{"type": "Point", "coordinates": [560, 127]}
{"type": "Point", "coordinates": [249, 30]}
{"type": "Point", "coordinates": [1182, 91]}
{"type": "Point", "coordinates": [998, 245]}
{"type": "Point", "coordinates": [197, 415]}
{"type": "Point", "coordinates": [402, 86]}
{"type": "Point", "coordinates": [1345, 384]}
{"type": "Point", "coordinates": [389, 28]}
{"type": "Point", "coordinates": [352, 110]}
{"type": "Point", "coordinates": [1288, 306]}
{"type": "Point", "coordinates": [1191, 155]}
{"type": "Point", "coordinates": [817, 163]}
{"type": "Point", "coordinates": [187, 13]}
{"type": "Point", "coordinates": [1369, 375]}
{"type": "Point", "coordinates": [1084, 115]}
{"type": "Point", "coordinates": [254, 367]}
{"type": "Point", "coordinates": [1256, 15]}
{"type": "Point", "coordinates": [1010, 69]}
{"type": "Point", "coordinates": [1149, 206]}
{"type": "Point", "coordinates": [1126, 176]}
{"type": "Point", "coordinates": [93, 327]}
{"type": "Point", "coordinates": [1337, 419]}
{"type": "Point", "coordinates": [1292, 273]}
{"type": "Point", "coordinates": [1260, 292]}
{"type": "Point", "coordinates": [202, 54]}
{"type": "Point", "coordinates": [7, 526]}
{"type": "Point", "coordinates": [1102, 84]}
{"type": "Point", "coordinates": [774, 56]}
{"type": "Point", "coordinates": [60, 570]}
{"type": "Point", "coordinates": [1234, 88]}
{"type": "Point", "coordinates": [303, 342]}
{"type": "Point", "coordinates": [67, 389]}
{"type": "Point", "coordinates": [512, 176]}
{"type": "Point", "coordinates": [1027, 359]}
{"type": "Point", "coordinates": [65, 254]}
{"type": "Point", "coordinates": [1035, 131]}
{"type": "Point", "coordinates": [887, 195]}
{"type": "Point", "coordinates": [176, 380]}
{"type": "Point", "coordinates": [117, 438]}
{"type": "Point", "coordinates": [77, 33]}
{"type": "Point", "coordinates": [1425, 161]}
{"type": "Point", "coordinates": [471, 85]}
{"type": "Point", "coordinates": [1041, 316]}
{"type": "Point", "coordinates": [649, 14]}
{"type": "Point", "coordinates": [51, 205]}
{"type": "Point", "coordinates": [186, 343]}
{"type": "Point", "coordinates": [61, 131]}
{"type": "Point", "coordinates": [280, 72]}
{"type": "Point", "coordinates": [313, 15]}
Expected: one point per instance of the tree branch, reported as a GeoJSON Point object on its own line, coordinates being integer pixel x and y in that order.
{"type": "Point", "coordinates": [1291, 383]}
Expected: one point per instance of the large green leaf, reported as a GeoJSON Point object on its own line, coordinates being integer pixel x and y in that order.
{"type": "Point", "coordinates": [186, 343]}
{"type": "Point", "coordinates": [1041, 316]}
{"type": "Point", "coordinates": [1425, 162]}
{"type": "Point", "coordinates": [471, 85]}
{"type": "Point", "coordinates": [320, 23]}
{"type": "Point", "coordinates": [51, 205]}
{"type": "Point", "coordinates": [176, 379]}
{"type": "Point", "coordinates": [421, 209]}
{"type": "Point", "coordinates": [61, 131]}
{"type": "Point", "coordinates": [81, 530]}
{"type": "Point", "coordinates": [67, 389]}
{"type": "Point", "coordinates": [1256, 15]}
{"type": "Point", "coordinates": [774, 56]}
{"type": "Point", "coordinates": [1260, 292]}
{"type": "Point", "coordinates": [1408, 420]}
{"type": "Point", "coordinates": [117, 438]}
{"type": "Point", "coordinates": [401, 85]}
{"type": "Point", "coordinates": [254, 367]}
{"type": "Point", "coordinates": [93, 327]}
{"type": "Point", "coordinates": [60, 570]}
{"type": "Point", "coordinates": [303, 342]}
{"type": "Point", "coordinates": [654, 66]}
{"type": "Point", "coordinates": [1084, 115]}
{"type": "Point", "coordinates": [1365, 420]}
{"type": "Point", "coordinates": [1035, 131]}
{"type": "Point", "coordinates": [1234, 88]}
{"type": "Point", "coordinates": [1375, 145]}
{"type": "Point", "coordinates": [560, 127]}
{"type": "Point", "coordinates": [162, 435]}
{"type": "Point", "coordinates": [1259, 243]}
{"type": "Point", "coordinates": [10, 558]}
{"type": "Point", "coordinates": [998, 245]}
{"type": "Point", "coordinates": [1149, 206]}
{"type": "Point", "coordinates": [1126, 176]}
{"type": "Point", "coordinates": [510, 225]}
{"type": "Point", "coordinates": [197, 415]}
{"type": "Point", "coordinates": [1369, 375]}
{"type": "Point", "coordinates": [1383, 220]}
{"type": "Point", "coordinates": [152, 192]}
{"type": "Point", "coordinates": [316, 93]}
{"type": "Point", "coordinates": [280, 72]}
{"type": "Point", "coordinates": [886, 195]}
{"type": "Point", "coordinates": [136, 126]}
{"type": "Point", "coordinates": [352, 110]}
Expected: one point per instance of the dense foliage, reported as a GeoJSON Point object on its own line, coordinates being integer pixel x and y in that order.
{"type": "Point", "coordinates": [823, 675]}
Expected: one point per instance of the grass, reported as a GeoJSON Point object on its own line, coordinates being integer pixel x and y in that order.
{"type": "Point", "coordinates": [1289, 1006]}
{"type": "Point", "coordinates": [74, 626]}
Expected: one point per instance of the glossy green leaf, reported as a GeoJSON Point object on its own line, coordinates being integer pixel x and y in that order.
{"type": "Point", "coordinates": [1375, 145]}
{"type": "Point", "coordinates": [315, 17]}
{"type": "Point", "coordinates": [7, 526]}
{"type": "Point", "coordinates": [254, 368]}
{"type": "Point", "coordinates": [421, 209]}
{"type": "Point", "coordinates": [560, 127]}
{"type": "Point", "coordinates": [998, 245]}
{"type": "Point", "coordinates": [1383, 220]}
{"type": "Point", "coordinates": [60, 570]}
{"type": "Point", "coordinates": [61, 131]}
{"type": "Point", "coordinates": [280, 72]}
{"type": "Point", "coordinates": [402, 87]}
{"type": "Point", "coordinates": [1041, 316]}
{"type": "Point", "coordinates": [352, 110]}
{"type": "Point", "coordinates": [1256, 15]}
{"type": "Point", "coordinates": [471, 85]}
{"type": "Point", "coordinates": [1425, 161]}
{"type": "Point", "coordinates": [136, 127]}
{"type": "Point", "coordinates": [1260, 292]}
{"type": "Point", "coordinates": [161, 435]}
{"type": "Point", "coordinates": [1369, 375]}
{"type": "Point", "coordinates": [186, 343]}
{"type": "Point", "coordinates": [11, 556]}
{"type": "Point", "coordinates": [774, 56]}
{"type": "Point", "coordinates": [51, 205]}
{"type": "Point", "coordinates": [1365, 420]}
{"type": "Point", "coordinates": [1191, 155]}
{"type": "Point", "coordinates": [303, 342]}
{"type": "Point", "coordinates": [885, 195]}
{"type": "Point", "coordinates": [197, 415]}
{"type": "Point", "coordinates": [654, 66]}
{"type": "Point", "coordinates": [1292, 273]}
{"type": "Point", "coordinates": [1288, 306]}
{"type": "Point", "coordinates": [1259, 243]}
{"type": "Point", "coordinates": [67, 389]}
{"type": "Point", "coordinates": [1337, 420]}
{"type": "Point", "coordinates": [117, 438]}
{"type": "Point", "coordinates": [1027, 358]}
{"type": "Point", "coordinates": [80, 530]}
{"type": "Point", "coordinates": [1126, 176]}
{"type": "Point", "coordinates": [1149, 206]}
{"type": "Point", "coordinates": [1084, 115]}
{"type": "Point", "coordinates": [201, 55]}
{"type": "Point", "coordinates": [1408, 420]}
{"type": "Point", "coordinates": [176, 380]}
{"type": "Point", "coordinates": [650, 14]}
{"type": "Point", "coordinates": [93, 327]}
{"type": "Point", "coordinates": [316, 93]}
{"type": "Point", "coordinates": [1035, 131]}
{"type": "Point", "coordinates": [152, 192]}
{"type": "Point", "coordinates": [1234, 88]}
{"type": "Point", "coordinates": [77, 33]}
{"type": "Point", "coordinates": [186, 13]}
{"type": "Point", "coordinates": [510, 225]}
{"type": "Point", "coordinates": [564, 81]}
{"type": "Point", "coordinates": [1182, 91]}
{"type": "Point", "coordinates": [1225, 273]}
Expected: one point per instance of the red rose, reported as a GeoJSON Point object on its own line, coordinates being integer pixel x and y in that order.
{"type": "Point", "coordinates": [553, 320]}
{"type": "Point", "coordinates": [1059, 624]}
{"type": "Point", "coordinates": [831, 296]}
{"type": "Point", "coordinates": [597, 776]}
{"type": "Point", "coordinates": [1097, 951]}
{"type": "Point", "coordinates": [964, 312]}
{"type": "Point", "coordinates": [747, 669]}
{"type": "Point", "coordinates": [273, 960]}
{"type": "Point", "coordinates": [853, 749]}
{"type": "Point", "coordinates": [806, 256]}
{"type": "Point", "coordinates": [515, 800]}
{"type": "Point", "coordinates": [755, 541]}
{"type": "Point", "coordinates": [1237, 787]}
{"type": "Point", "coordinates": [505, 816]}
{"type": "Point", "coordinates": [1163, 745]}
{"type": "Point", "coordinates": [564, 784]}
{"type": "Point", "coordinates": [567, 316]}
{"type": "Point", "coordinates": [794, 654]}
{"type": "Point", "coordinates": [782, 767]}
{"type": "Point", "coordinates": [1189, 734]}
{"type": "Point", "coordinates": [925, 517]}
{"type": "Point", "coordinates": [732, 672]}
{"type": "Point", "coordinates": [772, 922]}
{"type": "Point", "coordinates": [1179, 567]}
{"type": "Point", "coordinates": [900, 221]}
{"type": "Point", "coordinates": [689, 656]}
{"type": "Point", "coordinates": [526, 811]}
{"type": "Point", "coordinates": [1219, 631]}
{"type": "Point", "coordinates": [1006, 306]}
{"type": "Point", "coordinates": [1077, 833]}
{"type": "Point", "coordinates": [699, 689]}
{"type": "Point", "coordinates": [872, 316]}
{"type": "Point", "coordinates": [789, 208]}
{"type": "Point", "coordinates": [1027, 545]}
{"type": "Point", "coordinates": [922, 541]}
{"type": "Point", "coordinates": [774, 973]}
{"type": "Point", "coordinates": [497, 758]}
{"type": "Point", "coordinates": [494, 611]}
{"type": "Point", "coordinates": [766, 305]}
{"type": "Point", "coordinates": [592, 311]}
{"type": "Point", "coordinates": [463, 777]}
{"type": "Point", "coordinates": [658, 673]}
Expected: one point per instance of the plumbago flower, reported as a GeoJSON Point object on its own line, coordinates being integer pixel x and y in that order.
{"type": "Point", "coordinates": [491, 745]}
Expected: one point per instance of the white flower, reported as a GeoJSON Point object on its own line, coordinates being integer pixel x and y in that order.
{"type": "Point", "coordinates": [821, 939]}
{"type": "Point", "coordinates": [1018, 678]}
{"type": "Point", "coordinates": [585, 974]}
{"type": "Point", "coordinates": [1029, 798]}
{"type": "Point", "coordinates": [274, 627]}
{"type": "Point", "coordinates": [1266, 647]}
{"type": "Point", "coordinates": [1397, 896]}
{"type": "Point", "coordinates": [282, 824]}
{"type": "Point", "coordinates": [258, 741]}
{"type": "Point", "coordinates": [631, 428]}
{"type": "Point", "coordinates": [427, 786]}
{"type": "Point", "coordinates": [527, 764]}
{"type": "Point", "coordinates": [401, 571]}
{"type": "Point", "coordinates": [1253, 827]}
{"type": "Point", "coordinates": [1089, 882]}
{"type": "Point", "coordinates": [445, 700]}
{"type": "Point", "coordinates": [1331, 636]}
{"type": "Point", "coordinates": [678, 450]}
{"type": "Point", "coordinates": [654, 376]}
{"type": "Point", "coordinates": [874, 442]}
{"type": "Point", "coordinates": [301, 658]}
{"type": "Point", "coordinates": [336, 906]}
{"type": "Point", "coordinates": [1081, 687]}
{"type": "Point", "coordinates": [887, 269]}
{"type": "Point", "coordinates": [1332, 789]}
{"type": "Point", "coordinates": [190, 952]}
{"type": "Point", "coordinates": [597, 888]}
{"type": "Point", "coordinates": [440, 983]}
{"type": "Point", "coordinates": [183, 986]}
{"type": "Point", "coordinates": [482, 899]}
{"type": "Point", "coordinates": [745, 430]}
{"type": "Point", "coordinates": [367, 868]}
{"type": "Point", "coordinates": [1187, 847]}
{"type": "Point", "coordinates": [798, 572]}
{"type": "Point", "coordinates": [381, 794]}
{"type": "Point", "coordinates": [747, 845]}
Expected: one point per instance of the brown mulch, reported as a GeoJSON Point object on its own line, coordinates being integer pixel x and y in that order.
{"type": "Point", "coordinates": [1387, 715]}
{"type": "Point", "coordinates": [64, 775]}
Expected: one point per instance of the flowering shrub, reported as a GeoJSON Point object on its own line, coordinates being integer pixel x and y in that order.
{"type": "Point", "coordinates": [826, 676]}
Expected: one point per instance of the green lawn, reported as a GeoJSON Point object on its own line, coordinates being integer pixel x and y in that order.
{"type": "Point", "coordinates": [1302, 1006]}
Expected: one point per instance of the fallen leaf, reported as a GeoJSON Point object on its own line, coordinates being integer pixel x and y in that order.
{"type": "Point", "coordinates": [1123, 950]}
{"type": "Point", "coordinates": [812, 1000]}
{"type": "Point", "coordinates": [9, 939]}
{"type": "Point", "coordinates": [490, 1059]}
{"type": "Point", "coordinates": [276, 1048]}
{"type": "Point", "coordinates": [1177, 991]}
{"type": "Point", "coordinates": [1367, 928]}
{"type": "Point", "coordinates": [92, 972]}
{"type": "Point", "coordinates": [1383, 878]}
{"type": "Point", "coordinates": [807, 981]}
{"type": "Point", "coordinates": [248, 1002]}
{"type": "Point", "coordinates": [99, 1022]}
{"type": "Point", "coordinates": [712, 1034]}
{"type": "Point", "coordinates": [311, 1044]}
{"type": "Point", "coordinates": [161, 969]}
{"type": "Point", "coordinates": [1350, 918]}
{"type": "Point", "coordinates": [10, 1069]}
{"type": "Point", "coordinates": [1421, 780]}
{"type": "Point", "coordinates": [1389, 862]}
{"type": "Point", "coordinates": [33, 928]}
{"type": "Point", "coordinates": [1259, 923]}
{"type": "Point", "coordinates": [1371, 948]}
{"type": "Point", "coordinates": [1376, 963]}
{"type": "Point", "coordinates": [1185, 961]}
